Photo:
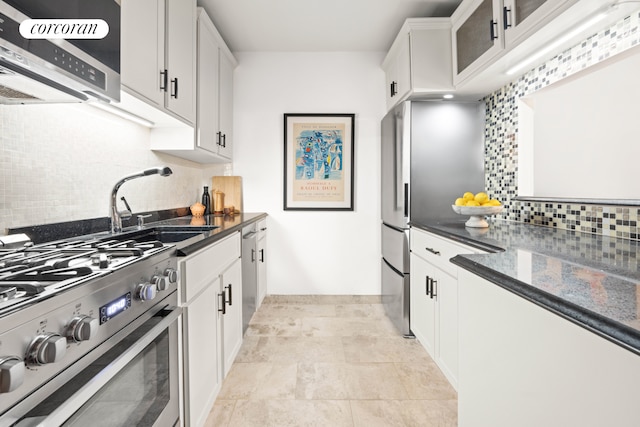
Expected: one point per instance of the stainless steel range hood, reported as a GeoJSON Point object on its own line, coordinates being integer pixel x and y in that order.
{"type": "Point", "coordinates": [19, 89]}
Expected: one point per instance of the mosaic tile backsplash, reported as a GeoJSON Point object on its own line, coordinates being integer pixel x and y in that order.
{"type": "Point", "coordinates": [501, 140]}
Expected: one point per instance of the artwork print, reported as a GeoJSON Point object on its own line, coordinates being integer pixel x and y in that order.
{"type": "Point", "coordinates": [318, 161]}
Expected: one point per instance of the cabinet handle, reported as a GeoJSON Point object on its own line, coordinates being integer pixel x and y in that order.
{"type": "Point", "coordinates": [263, 228]}
{"type": "Point", "coordinates": [434, 293]}
{"type": "Point", "coordinates": [224, 304]}
{"type": "Point", "coordinates": [224, 140]}
{"type": "Point", "coordinates": [163, 80]}
{"type": "Point", "coordinates": [433, 251]}
{"type": "Point", "coordinates": [253, 255]}
{"type": "Point", "coordinates": [174, 83]}
{"type": "Point", "coordinates": [492, 27]}
{"type": "Point", "coordinates": [219, 138]}
{"type": "Point", "coordinates": [426, 285]}
{"type": "Point", "coordinates": [261, 255]}
{"type": "Point", "coordinates": [230, 287]}
{"type": "Point", "coordinates": [505, 17]}
{"type": "Point", "coordinates": [394, 88]}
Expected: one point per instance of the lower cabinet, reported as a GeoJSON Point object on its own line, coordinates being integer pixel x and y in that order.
{"type": "Point", "coordinates": [211, 296]}
{"type": "Point", "coordinates": [262, 261]}
{"type": "Point", "coordinates": [522, 365]}
{"type": "Point", "coordinates": [230, 313]}
{"type": "Point", "coordinates": [434, 298]}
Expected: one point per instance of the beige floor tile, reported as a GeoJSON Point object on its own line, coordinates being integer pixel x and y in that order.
{"type": "Point", "coordinates": [360, 310]}
{"type": "Point", "coordinates": [260, 381]}
{"type": "Point", "coordinates": [349, 381]}
{"type": "Point", "coordinates": [291, 349]}
{"type": "Point", "coordinates": [287, 327]}
{"type": "Point", "coordinates": [425, 381]}
{"type": "Point", "coordinates": [322, 299]}
{"type": "Point", "coordinates": [269, 312]}
{"type": "Point", "coordinates": [221, 413]}
{"type": "Point", "coordinates": [292, 413]}
{"type": "Point", "coordinates": [347, 327]}
{"type": "Point", "coordinates": [404, 413]}
{"type": "Point", "coordinates": [383, 350]}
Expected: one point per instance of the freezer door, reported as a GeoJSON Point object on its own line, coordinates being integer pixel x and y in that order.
{"type": "Point", "coordinates": [395, 247]}
{"type": "Point", "coordinates": [394, 168]}
{"type": "Point", "coordinates": [395, 297]}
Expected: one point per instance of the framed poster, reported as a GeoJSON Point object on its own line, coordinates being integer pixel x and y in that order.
{"type": "Point", "coordinates": [318, 161]}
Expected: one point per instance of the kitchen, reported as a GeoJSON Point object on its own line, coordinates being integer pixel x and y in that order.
{"type": "Point", "coordinates": [72, 142]}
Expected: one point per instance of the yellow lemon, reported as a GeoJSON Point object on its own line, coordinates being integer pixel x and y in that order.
{"type": "Point", "coordinates": [494, 202]}
{"type": "Point", "coordinates": [472, 203]}
{"type": "Point", "coordinates": [459, 201]}
{"type": "Point", "coordinates": [467, 196]}
{"type": "Point", "coordinates": [481, 197]}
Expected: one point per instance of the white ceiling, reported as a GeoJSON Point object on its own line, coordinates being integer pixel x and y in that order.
{"type": "Point", "coordinates": [317, 25]}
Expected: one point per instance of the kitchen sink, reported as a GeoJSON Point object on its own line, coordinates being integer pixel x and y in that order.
{"type": "Point", "coordinates": [179, 235]}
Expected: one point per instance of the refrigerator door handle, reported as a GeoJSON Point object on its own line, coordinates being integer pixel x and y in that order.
{"type": "Point", "coordinates": [406, 199]}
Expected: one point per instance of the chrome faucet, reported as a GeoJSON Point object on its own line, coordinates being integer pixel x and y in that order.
{"type": "Point", "coordinates": [116, 216]}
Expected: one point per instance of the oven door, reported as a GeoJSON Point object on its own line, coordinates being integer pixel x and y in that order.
{"type": "Point", "coordinates": [134, 383]}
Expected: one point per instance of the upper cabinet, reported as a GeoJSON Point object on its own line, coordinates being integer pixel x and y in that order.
{"type": "Point", "coordinates": [159, 54]}
{"type": "Point", "coordinates": [494, 41]}
{"type": "Point", "coordinates": [215, 91]}
{"type": "Point", "coordinates": [521, 17]}
{"type": "Point", "coordinates": [477, 37]}
{"type": "Point", "coordinates": [419, 61]}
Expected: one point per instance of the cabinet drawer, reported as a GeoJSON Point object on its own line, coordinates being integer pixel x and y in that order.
{"type": "Point", "coordinates": [437, 250]}
{"type": "Point", "coordinates": [204, 266]}
{"type": "Point", "coordinates": [261, 228]}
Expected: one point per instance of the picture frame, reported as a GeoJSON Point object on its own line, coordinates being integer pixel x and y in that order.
{"type": "Point", "coordinates": [319, 161]}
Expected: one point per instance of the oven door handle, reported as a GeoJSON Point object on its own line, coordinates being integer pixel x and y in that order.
{"type": "Point", "coordinates": [66, 409]}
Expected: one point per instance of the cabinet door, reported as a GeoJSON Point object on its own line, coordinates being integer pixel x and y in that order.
{"type": "Point", "coordinates": [398, 72]}
{"type": "Point", "coordinates": [207, 110]}
{"type": "Point", "coordinates": [231, 286]}
{"type": "Point", "coordinates": [226, 106]}
{"type": "Point", "coordinates": [422, 305]}
{"type": "Point", "coordinates": [478, 37]}
{"type": "Point", "coordinates": [181, 57]}
{"type": "Point", "coordinates": [142, 48]}
{"type": "Point", "coordinates": [522, 17]}
{"type": "Point", "coordinates": [203, 365]}
{"type": "Point", "coordinates": [447, 296]}
{"type": "Point", "coordinates": [262, 269]}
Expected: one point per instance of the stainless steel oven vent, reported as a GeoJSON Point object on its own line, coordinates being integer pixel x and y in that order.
{"type": "Point", "coordinates": [12, 94]}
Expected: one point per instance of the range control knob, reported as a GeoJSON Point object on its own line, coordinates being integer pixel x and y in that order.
{"type": "Point", "coordinates": [161, 282]}
{"type": "Point", "coordinates": [47, 348]}
{"type": "Point", "coordinates": [172, 274]}
{"type": "Point", "coordinates": [146, 291]}
{"type": "Point", "coordinates": [82, 328]}
{"type": "Point", "coordinates": [11, 373]}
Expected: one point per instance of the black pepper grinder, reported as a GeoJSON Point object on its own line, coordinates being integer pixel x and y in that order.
{"type": "Point", "coordinates": [206, 201]}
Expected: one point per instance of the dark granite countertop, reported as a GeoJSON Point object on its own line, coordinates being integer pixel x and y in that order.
{"type": "Point", "coordinates": [98, 227]}
{"type": "Point", "coordinates": [591, 280]}
{"type": "Point", "coordinates": [226, 225]}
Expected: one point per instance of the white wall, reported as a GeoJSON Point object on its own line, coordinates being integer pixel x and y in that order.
{"type": "Point", "coordinates": [311, 252]}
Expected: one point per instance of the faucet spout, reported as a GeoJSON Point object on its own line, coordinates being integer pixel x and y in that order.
{"type": "Point", "coordinates": [116, 216]}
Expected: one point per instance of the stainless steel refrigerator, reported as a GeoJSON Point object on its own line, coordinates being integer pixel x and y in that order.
{"type": "Point", "coordinates": [431, 153]}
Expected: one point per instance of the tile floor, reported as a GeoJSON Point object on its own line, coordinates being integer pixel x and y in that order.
{"type": "Point", "coordinates": [331, 361]}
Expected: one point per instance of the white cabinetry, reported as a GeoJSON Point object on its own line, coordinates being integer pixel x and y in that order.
{"type": "Point", "coordinates": [262, 261]}
{"type": "Point", "coordinates": [231, 313]}
{"type": "Point", "coordinates": [215, 92]}
{"type": "Point", "coordinates": [419, 61]}
{"type": "Point", "coordinates": [477, 36]}
{"type": "Point", "coordinates": [158, 54]}
{"type": "Point", "coordinates": [434, 298]}
{"type": "Point", "coordinates": [211, 295]}
{"type": "Point", "coordinates": [521, 365]}
{"type": "Point", "coordinates": [522, 17]}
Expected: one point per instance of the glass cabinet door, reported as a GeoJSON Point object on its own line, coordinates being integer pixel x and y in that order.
{"type": "Point", "coordinates": [477, 35]}
{"type": "Point", "coordinates": [522, 17]}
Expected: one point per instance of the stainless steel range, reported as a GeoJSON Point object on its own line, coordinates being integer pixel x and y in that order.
{"type": "Point", "coordinates": [88, 333]}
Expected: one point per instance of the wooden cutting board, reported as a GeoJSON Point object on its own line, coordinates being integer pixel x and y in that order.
{"type": "Point", "coordinates": [231, 186]}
